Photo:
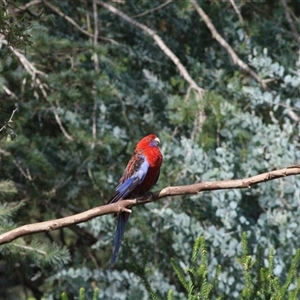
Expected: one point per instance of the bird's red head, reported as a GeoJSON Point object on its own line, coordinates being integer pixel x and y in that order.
{"type": "Point", "coordinates": [150, 140]}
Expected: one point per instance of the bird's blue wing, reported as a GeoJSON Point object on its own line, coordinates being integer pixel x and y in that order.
{"type": "Point", "coordinates": [134, 175]}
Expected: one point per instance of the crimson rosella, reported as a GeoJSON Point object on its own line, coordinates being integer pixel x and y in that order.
{"type": "Point", "coordinates": [140, 175]}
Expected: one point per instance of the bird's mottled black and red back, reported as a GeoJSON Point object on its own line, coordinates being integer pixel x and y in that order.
{"type": "Point", "coordinates": [140, 175]}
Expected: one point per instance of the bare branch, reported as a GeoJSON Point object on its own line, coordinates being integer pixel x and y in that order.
{"type": "Point", "coordinates": [59, 122]}
{"type": "Point", "coordinates": [290, 21]}
{"type": "Point", "coordinates": [237, 11]}
{"type": "Point", "coordinates": [42, 86]}
{"type": "Point", "coordinates": [9, 92]}
{"type": "Point", "coordinates": [31, 69]}
{"type": "Point", "coordinates": [153, 9]}
{"type": "Point", "coordinates": [70, 20]}
{"type": "Point", "coordinates": [96, 66]}
{"type": "Point", "coordinates": [27, 5]}
{"type": "Point", "coordinates": [125, 204]}
{"type": "Point", "coordinates": [67, 18]}
{"type": "Point", "coordinates": [30, 249]}
{"type": "Point", "coordinates": [96, 33]}
{"type": "Point", "coordinates": [236, 60]}
{"type": "Point", "coordinates": [10, 120]}
{"type": "Point", "coordinates": [183, 71]}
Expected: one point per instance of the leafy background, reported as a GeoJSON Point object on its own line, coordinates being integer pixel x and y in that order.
{"type": "Point", "coordinates": [83, 102]}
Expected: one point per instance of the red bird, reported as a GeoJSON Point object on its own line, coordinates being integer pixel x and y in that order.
{"type": "Point", "coordinates": [140, 175]}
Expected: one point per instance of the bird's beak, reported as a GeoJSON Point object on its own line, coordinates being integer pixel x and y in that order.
{"type": "Point", "coordinates": [157, 140]}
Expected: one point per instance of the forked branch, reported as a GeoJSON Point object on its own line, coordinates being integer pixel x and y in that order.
{"type": "Point", "coordinates": [236, 60]}
{"type": "Point", "coordinates": [182, 69]}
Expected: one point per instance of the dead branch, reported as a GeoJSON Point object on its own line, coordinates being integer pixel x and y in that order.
{"type": "Point", "coordinates": [34, 72]}
{"type": "Point", "coordinates": [67, 18]}
{"type": "Point", "coordinates": [236, 60]}
{"type": "Point", "coordinates": [9, 92]}
{"type": "Point", "coordinates": [10, 120]}
{"type": "Point", "coordinates": [153, 9]}
{"type": "Point", "coordinates": [290, 21]}
{"type": "Point", "coordinates": [76, 25]}
{"type": "Point", "coordinates": [237, 11]}
{"type": "Point", "coordinates": [60, 124]}
{"type": "Point", "coordinates": [168, 191]}
{"type": "Point", "coordinates": [27, 5]}
{"type": "Point", "coordinates": [182, 70]}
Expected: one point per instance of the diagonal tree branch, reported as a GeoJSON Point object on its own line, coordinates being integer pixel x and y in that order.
{"type": "Point", "coordinates": [237, 11]}
{"type": "Point", "coordinates": [290, 21]}
{"type": "Point", "coordinates": [153, 9]}
{"type": "Point", "coordinates": [31, 69]}
{"type": "Point", "coordinates": [236, 60]}
{"type": "Point", "coordinates": [191, 189]}
{"type": "Point", "coordinates": [9, 121]}
{"type": "Point", "coordinates": [70, 20]}
{"type": "Point", "coordinates": [76, 25]}
{"type": "Point", "coordinates": [182, 69]}
{"type": "Point", "coordinates": [27, 5]}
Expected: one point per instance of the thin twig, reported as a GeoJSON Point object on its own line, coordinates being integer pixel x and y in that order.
{"type": "Point", "coordinates": [236, 60]}
{"type": "Point", "coordinates": [96, 66]}
{"type": "Point", "coordinates": [70, 20]}
{"type": "Point", "coordinates": [10, 120]}
{"type": "Point", "coordinates": [152, 10]}
{"type": "Point", "coordinates": [290, 21]}
{"type": "Point", "coordinates": [30, 68]}
{"type": "Point", "coordinates": [30, 249]}
{"type": "Point", "coordinates": [120, 206]}
{"type": "Point", "coordinates": [9, 92]}
{"type": "Point", "coordinates": [27, 5]}
{"type": "Point", "coordinates": [42, 86]}
{"type": "Point", "coordinates": [183, 71]}
{"type": "Point", "coordinates": [59, 122]}
{"type": "Point", "coordinates": [237, 11]}
{"type": "Point", "coordinates": [96, 33]}
{"type": "Point", "coordinates": [67, 18]}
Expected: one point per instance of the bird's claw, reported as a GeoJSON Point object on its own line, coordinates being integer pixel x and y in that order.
{"type": "Point", "coordinates": [146, 196]}
{"type": "Point", "coordinates": [124, 209]}
{"type": "Point", "coordinates": [149, 195]}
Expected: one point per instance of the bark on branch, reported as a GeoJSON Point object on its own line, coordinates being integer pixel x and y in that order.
{"type": "Point", "coordinates": [168, 191]}
{"type": "Point", "coordinates": [9, 121]}
{"type": "Point", "coordinates": [183, 71]}
{"type": "Point", "coordinates": [236, 60]}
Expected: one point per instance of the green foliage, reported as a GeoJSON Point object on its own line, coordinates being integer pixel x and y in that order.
{"type": "Point", "coordinates": [13, 34]}
{"type": "Point", "coordinates": [7, 187]}
{"type": "Point", "coordinates": [259, 280]}
{"type": "Point", "coordinates": [83, 103]}
{"type": "Point", "coordinates": [7, 210]}
{"type": "Point", "coordinates": [82, 295]}
{"type": "Point", "coordinates": [197, 286]}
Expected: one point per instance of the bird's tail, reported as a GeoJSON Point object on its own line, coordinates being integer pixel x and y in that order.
{"type": "Point", "coordinates": [122, 221]}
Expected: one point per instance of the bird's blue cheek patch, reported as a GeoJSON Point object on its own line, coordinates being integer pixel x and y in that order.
{"type": "Point", "coordinates": [153, 143]}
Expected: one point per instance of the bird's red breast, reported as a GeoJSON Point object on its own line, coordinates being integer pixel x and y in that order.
{"type": "Point", "coordinates": [148, 148]}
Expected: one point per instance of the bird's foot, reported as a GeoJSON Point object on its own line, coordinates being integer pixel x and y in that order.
{"type": "Point", "coordinates": [124, 209]}
{"type": "Point", "coordinates": [148, 195]}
